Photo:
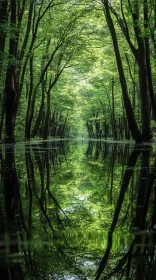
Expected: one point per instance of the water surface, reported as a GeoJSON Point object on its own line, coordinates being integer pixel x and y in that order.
{"type": "Point", "coordinates": [77, 210]}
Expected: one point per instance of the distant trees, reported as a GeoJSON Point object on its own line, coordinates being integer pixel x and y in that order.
{"type": "Point", "coordinates": [59, 74]}
{"type": "Point", "coordinates": [38, 42]}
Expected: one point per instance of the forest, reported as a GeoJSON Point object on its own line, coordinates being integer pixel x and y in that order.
{"type": "Point", "coordinates": [77, 68]}
{"type": "Point", "coordinates": [78, 139]}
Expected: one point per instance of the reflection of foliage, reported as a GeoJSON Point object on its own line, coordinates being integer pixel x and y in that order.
{"type": "Point", "coordinates": [74, 202]}
{"type": "Point", "coordinates": [140, 246]}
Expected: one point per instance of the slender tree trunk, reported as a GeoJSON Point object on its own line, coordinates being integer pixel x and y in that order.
{"type": "Point", "coordinates": [133, 80]}
{"type": "Point", "coordinates": [29, 111]}
{"type": "Point", "coordinates": [141, 57]}
{"type": "Point", "coordinates": [10, 99]}
{"type": "Point", "coordinates": [39, 117]}
{"type": "Point", "coordinates": [52, 123]}
{"type": "Point", "coordinates": [148, 62]}
{"type": "Point", "coordinates": [10, 83]}
{"type": "Point", "coordinates": [144, 93]}
{"type": "Point", "coordinates": [47, 118]}
{"type": "Point", "coordinates": [127, 103]}
{"type": "Point", "coordinates": [2, 119]}
{"type": "Point", "coordinates": [3, 20]}
{"type": "Point", "coordinates": [113, 113]}
{"type": "Point", "coordinates": [63, 132]}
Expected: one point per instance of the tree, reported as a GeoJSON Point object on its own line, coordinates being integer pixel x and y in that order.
{"type": "Point", "coordinates": [141, 51]}
{"type": "Point", "coordinates": [25, 47]}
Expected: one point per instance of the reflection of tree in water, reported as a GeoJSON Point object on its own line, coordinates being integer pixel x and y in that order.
{"type": "Point", "coordinates": [10, 207]}
{"type": "Point", "coordinates": [139, 261]}
{"type": "Point", "coordinates": [31, 213]}
{"type": "Point", "coordinates": [35, 226]}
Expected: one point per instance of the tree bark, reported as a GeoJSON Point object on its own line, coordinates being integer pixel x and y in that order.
{"type": "Point", "coordinates": [142, 56]}
{"type": "Point", "coordinates": [40, 114]}
{"type": "Point", "coordinates": [148, 61]}
{"type": "Point", "coordinates": [10, 90]}
{"type": "Point", "coordinates": [127, 103]}
{"type": "Point", "coordinates": [10, 100]}
{"type": "Point", "coordinates": [3, 21]}
{"type": "Point", "coordinates": [143, 79]}
{"type": "Point", "coordinates": [47, 118]}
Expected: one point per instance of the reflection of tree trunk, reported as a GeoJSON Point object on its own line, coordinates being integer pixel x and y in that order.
{"type": "Point", "coordinates": [89, 151]}
{"type": "Point", "coordinates": [10, 184]}
{"type": "Point", "coordinates": [113, 158]}
{"type": "Point", "coordinates": [2, 217]}
{"type": "Point", "coordinates": [142, 194]}
{"type": "Point", "coordinates": [11, 194]}
{"type": "Point", "coordinates": [125, 183]}
{"type": "Point", "coordinates": [12, 273]}
{"type": "Point", "coordinates": [41, 172]}
{"type": "Point", "coordinates": [29, 187]}
{"type": "Point", "coordinates": [97, 150]}
{"type": "Point", "coordinates": [153, 220]}
{"type": "Point", "coordinates": [145, 241]}
{"type": "Point", "coordinates": [142, 268]}
{"type": "Point", "coordinates": [2, 119]}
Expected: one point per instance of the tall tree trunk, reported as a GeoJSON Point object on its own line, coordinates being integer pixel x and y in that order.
{"type": "Point", "coordinates": [148, 62]}
{"type": "Point", "coordinates": [10, 100]}
{"type": "Point", "coordinates": [10, 91]}
{"type": "Point", "coordinates": [40, 114]}
{"type": "Point", "coordinates": [113, 113]}
{"type": "Point", "coordinates": [141, 57]}
{"type": "Point", "coordinates": [127, 103]}
{"type": "Point", "coordinates": [144, 92]}
{"type": "Point", "coordinates": [29, 113]}
{"type": "Point", "coordinates": [2, 119]}
{"type": "Point", "coordinates": [3, 21]}
{"type": "Point", "coordinates": [47, 118]}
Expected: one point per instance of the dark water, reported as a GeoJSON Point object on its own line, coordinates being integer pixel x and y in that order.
{"type": "Point", "coordinates": [77, 210]}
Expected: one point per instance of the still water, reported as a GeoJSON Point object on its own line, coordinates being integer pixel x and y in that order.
{"type": "Point", "coordinates": [73, 210]}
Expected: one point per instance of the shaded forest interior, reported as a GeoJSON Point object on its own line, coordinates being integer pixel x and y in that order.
{"type": "Point", "coordinates": [77, 209]}
{"type": "Point", "coordinates": [77, 68]}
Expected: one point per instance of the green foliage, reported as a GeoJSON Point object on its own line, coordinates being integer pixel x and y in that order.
{"type": "Point", "coordinates": [65, 62]}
